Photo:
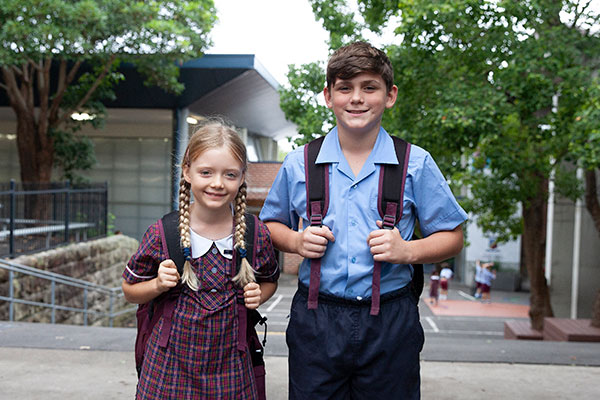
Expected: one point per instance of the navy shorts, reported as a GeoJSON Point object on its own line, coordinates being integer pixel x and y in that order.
{"type": "Point", "coordinates": [340, 351]}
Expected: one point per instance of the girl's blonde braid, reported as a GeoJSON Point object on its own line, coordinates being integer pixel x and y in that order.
{"type": "Point", "coordinates": [188, 277]}
{"type": "Point", "coordinates": [246, 274]}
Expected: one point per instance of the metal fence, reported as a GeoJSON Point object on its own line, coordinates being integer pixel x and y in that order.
{"type": "Point", "coordinates": [43, 296]}
{"type": "Point", "coordinates": [36, 216]}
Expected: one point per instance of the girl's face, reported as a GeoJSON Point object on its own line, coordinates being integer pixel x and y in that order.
{"type": "Point", "coordinates": [215, 177]}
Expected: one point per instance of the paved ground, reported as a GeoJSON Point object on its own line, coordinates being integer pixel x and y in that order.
{"type": "Point", "coordinates": [465, 357]}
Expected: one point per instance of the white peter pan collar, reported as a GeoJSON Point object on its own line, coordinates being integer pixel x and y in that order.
{"type": "Point", "coordinates": [201, 245]}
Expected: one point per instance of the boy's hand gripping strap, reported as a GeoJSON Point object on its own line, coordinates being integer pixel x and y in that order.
{"type": "Point", "coordinates": [390, 202]}
{"type": "Point", "coordinates": [317, 202]}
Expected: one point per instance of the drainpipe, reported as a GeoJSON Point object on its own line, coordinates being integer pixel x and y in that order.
{"type": "Point", "coordinates": [576, 251]}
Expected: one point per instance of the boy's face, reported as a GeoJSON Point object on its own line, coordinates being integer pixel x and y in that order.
{"type": "Point", "coordinates": [359, 102]}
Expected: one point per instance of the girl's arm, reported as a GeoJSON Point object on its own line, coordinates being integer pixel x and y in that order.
{"type": "Point", "coordinates": [143, 292]}
{"type": "Point", "coordinates": [256, 294]}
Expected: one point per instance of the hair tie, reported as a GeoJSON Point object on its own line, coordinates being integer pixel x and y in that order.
{"type": "Point", "coordinates": [187, 253]}
{"type": "Point", "coordinates": [243, 252]}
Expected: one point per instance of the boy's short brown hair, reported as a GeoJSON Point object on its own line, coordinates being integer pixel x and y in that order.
{"type": "Point", "coordinates": [358, 57]}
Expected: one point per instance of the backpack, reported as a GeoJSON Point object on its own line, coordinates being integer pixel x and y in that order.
{"type": "Point", "coordinates": [390, 203]}
{"type": "Point", "coordinates": [150, 313]}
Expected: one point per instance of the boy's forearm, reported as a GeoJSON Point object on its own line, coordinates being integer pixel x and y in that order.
{"type": "Point", "coordinates": [437, 247]}
{"type": "Point", "coordinates": [283, 237]}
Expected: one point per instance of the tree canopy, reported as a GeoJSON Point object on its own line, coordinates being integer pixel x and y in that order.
{"type": "Point", "coordinates": [497, 91]}
{"type": "Point", "coordinates": [85, 42]}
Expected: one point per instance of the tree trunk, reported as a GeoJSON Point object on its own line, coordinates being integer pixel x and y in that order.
{"type": "Point", "coordinates": [36, 156]}
{"type": "Point", "coordinates": [534, 247]}
{"type": "Point", "coordinates": [593, 206]}
{"type": "Point", "coordinates": [596, 311]}
{"type": "Point", "coordinates": [36, 151]}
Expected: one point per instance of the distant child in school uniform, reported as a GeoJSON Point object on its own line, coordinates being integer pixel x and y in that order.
{"type": "Point", "coordinates": [202, 360]}
{"type": "Point", "coordinates": [487, 276]}
{"type": "Point", "coordinates": [479, 277]}
{"type": "Point", "coordinates": [434, 285]}
{"type": "Point", "coordinates": [445, 276]}
{"type": "Point", "coordinates": [338, 349]}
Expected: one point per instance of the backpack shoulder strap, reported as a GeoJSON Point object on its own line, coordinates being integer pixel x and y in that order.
{"type": "Point", "coordinates": [317, 203]}
{"type": "Point", "coordinates": [391, 194]}
{"type": "Point", "coordinates": [170, 239]}
{"type": "Point", "coordinates": [391, 198]}
{"type": "Point", "coordinates": [317, 183]}
{"type": "Point", "coordinates": [250, 238]}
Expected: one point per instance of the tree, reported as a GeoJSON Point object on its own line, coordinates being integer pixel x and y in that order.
{"type": "Point", "coordinates": [84, 42]}
{"type": "Point", "coordinates": [478, 80]}
{"type": "Point", "coordinates": [585, 148]}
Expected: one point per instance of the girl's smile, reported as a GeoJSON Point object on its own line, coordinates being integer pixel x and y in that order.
{"type": "Point", "coordinates": [215, 177]}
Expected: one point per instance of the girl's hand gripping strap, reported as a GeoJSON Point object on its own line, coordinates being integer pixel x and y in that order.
{"type": "Point", "coordinates": [317, 202]}
{"type": "Point", "coordinates": [171, 248]}
{"type": "Point", "coordinates": [390, 200]}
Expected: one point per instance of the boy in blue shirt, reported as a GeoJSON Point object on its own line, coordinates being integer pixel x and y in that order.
{"type": "Point", "coordinates": [339, 350]}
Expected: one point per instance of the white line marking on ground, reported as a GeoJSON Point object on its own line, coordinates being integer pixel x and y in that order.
{"type": "Point", "coordinates": [459, 332]}
{"type": "Point", "coordinates": [274, 304]}
{"type": "Point", "coordinates": [432, 324]}
{"type": "Point", "coordinates": [466, 296]}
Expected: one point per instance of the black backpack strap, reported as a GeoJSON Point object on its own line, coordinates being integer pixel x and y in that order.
{"type": "Point", "coordinates": [170, 223]}
{"type": "Point", "coordinates": [317, 203]}
{"type": "Point", "coordinates": [250, 238]}
{"type": "Point", "coordinates": [391, 194]}
{"type": "Point", "coordinates": [418, 279]}
{"type": "Point", "coordinates": [392, 178]}
{"type": "Point", "coordinates": [317, 183]}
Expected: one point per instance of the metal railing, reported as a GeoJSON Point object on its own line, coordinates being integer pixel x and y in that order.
{"type": "Point", "coordinates": [42, 216]}
{"type": "Point", "coordinates": [54, 279]}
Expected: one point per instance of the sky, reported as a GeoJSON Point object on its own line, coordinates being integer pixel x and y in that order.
{"type": "Point", "coordinates": [278, 32]}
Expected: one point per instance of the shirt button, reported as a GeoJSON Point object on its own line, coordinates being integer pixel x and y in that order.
{"type": "Point", "coordinates": [213, 290]}
{"type": "Point", "coordinates": [214, 251]}
{"type": "Point", "coordinates": [214, 270]}
{"type": "Point", "coordinates": [353, 223]}
{"type": "Point", "coordinates": [353, 260]}
{"type": "Point", "coordinates": [353, 186]}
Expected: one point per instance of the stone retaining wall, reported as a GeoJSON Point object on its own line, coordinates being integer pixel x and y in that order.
{"type": "Point", "coordinates": [98, 261]}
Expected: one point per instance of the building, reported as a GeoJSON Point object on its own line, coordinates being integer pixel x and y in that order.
{"type": "Point", "coordinates": [147, 129]}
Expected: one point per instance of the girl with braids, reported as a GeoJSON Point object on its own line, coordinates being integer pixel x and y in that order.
{"type": "Point", "coordinates": [201, 359]}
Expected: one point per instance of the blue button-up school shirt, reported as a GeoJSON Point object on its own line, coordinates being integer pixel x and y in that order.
{"type": "Point", "coordinates": [347, 266]}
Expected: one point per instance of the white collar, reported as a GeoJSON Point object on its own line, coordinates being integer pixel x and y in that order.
{"type": "Point", "coordinates": [201, 245]}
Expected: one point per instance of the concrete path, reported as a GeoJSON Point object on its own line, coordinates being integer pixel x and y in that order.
{"type": "Point", "coordinates": [465, 356]}
{"type": "Point", "coordinates": [50, 374]}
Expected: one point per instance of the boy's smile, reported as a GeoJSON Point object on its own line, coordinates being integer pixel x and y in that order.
{"type": "Point", "coordinates": [359, 102]}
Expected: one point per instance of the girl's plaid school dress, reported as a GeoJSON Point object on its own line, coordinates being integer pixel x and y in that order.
{"type": "Point", "coordinates": [202, 360]}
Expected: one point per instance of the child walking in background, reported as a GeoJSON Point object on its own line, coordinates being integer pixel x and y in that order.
{"type": "Point", "coordinates": [434, 284]}
{"type": "Point", "coordinates": [487, 276]}
{"type": "Point", "coordinates": [202, 360]}
{"type": "Point", "coordinates": [479, 277]}
{"type": "Point", "coordinates": [445, 275]}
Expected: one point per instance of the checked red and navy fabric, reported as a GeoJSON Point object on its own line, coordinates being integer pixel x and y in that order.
{"type": "Point", "coordinates": [202, 360]}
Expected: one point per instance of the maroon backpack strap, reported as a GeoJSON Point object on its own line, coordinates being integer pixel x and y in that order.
{"type": "Point", "coordinates": [169, 237]}
{"type": "Point", "coordinates": [317, 203]}
{"type": "Point", "coordinates": [389, 203]}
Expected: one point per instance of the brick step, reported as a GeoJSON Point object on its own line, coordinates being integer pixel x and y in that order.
{"type": "Point", "coordinates": [570, 330]}
{"type": "Point", "coordinates": [521, 330]}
